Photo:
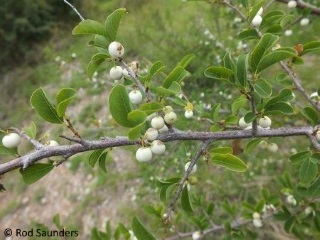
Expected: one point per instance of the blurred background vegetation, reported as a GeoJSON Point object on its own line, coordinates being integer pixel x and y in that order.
{"type": "Point", "coordinates": [38, 50]}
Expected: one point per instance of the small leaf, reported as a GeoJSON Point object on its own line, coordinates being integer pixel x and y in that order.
{"type": "Point", "coordinates": [248, 34]}
{"type": "Point", "coordinates": [242, 70]}
{"type": "Point", "coordinates": [314, 189]}
{"type": "Point", "coordinates": [230, 162]}
{"type": "Point", "coordinates": [228, 62]}
{"type": "Point", "coordinates": [255, 9]}
{"type": "Point", "coordinates": [218, 73]}
{"type": "Point", "coordinates": [281, 107]}
{"type": "Point", "coordinates": [311, 115]}
{"type": "Point", "coordinates": [238, 103]}
{"type": "Point", "coordinates": [299, 157]}
{"type": "Point", "coordinates": [119, 105]}
{"type": "Point", "coordinates": [64, 98]}
{"type": "Point", "coordinates": [44, 107]}
{"type": "Point", "coordinates": [310, 47]}
{"type": "Point", "coordinates": [284, 96]}
{"type": "Point", "coordinates": [249, 117]}
{"type": "Point", "coordinates": [265, 43]}
{"type": "Point", "coordinates": [137, 118]}
{"type": "Point", "coordinates": [94, 157]}
{"type": "Point", "coordinates": [8, 151]}
{"type": "Point", "coordinates": [185, 61]}
{"type": "Point", "coordinates": [102, 161]}
{"type": "Point", "coordinates": [185, 201]}
{"type": "Point", "coordinates": [140, 231]}
{"type": "Point", "coordinates": [31, 130]}
{"type": "Point", "coordinates": [35, 172]}
{"type": "Point", "coordinates": [89, 27]}
{"type": "Point", "coordinates": [151, 107]}
{"type": "Point", "coordinates": [308, 171]}
{"type": "Point", "coordinates": [251, 145]}
{"type": "Point", "coordinates": [56, 221]}
{"type": "Point", "coordinates": [221, 150]}
{"type": "Point", "coordinates": [215, 112]}
{"type": "Point", "coordinates": [112, 23]}
{"type": "Point", "coordinates": [176, 75]}
{"type": "Point", "coordinates": [155, 69]}
{"type": "Point", "coordinates": [262, 88]}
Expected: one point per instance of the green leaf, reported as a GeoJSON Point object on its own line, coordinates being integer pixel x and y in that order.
{"type": "Point", "coordinates": [265, 43]}
{"type": "Point", "coordinates": [185, 201]}
{"type": "Point", "coordinates": [31, 130]}
{"type": "Point", "coordinates": [275, 29]}
{"type": "Point", "coordinates": [151, 107]}
{"type": "Point", "coordinates": [228, 62]}
{"type": "Point", "coordinates": [56, 221]}
{"type": "Point", "coordinates": [112, 23]}
{"type": "Point", "coordinates": [119, 105]}
{"type": "Point", "coordinates": [94, 157]}
{"type": "Point", "coordinates": [153, 211]}
{"type": "Point", "coordinates": [176, 75]}
{"type": "Point", "coordinates": [248, 34]}
{"type": "Point", "coordinates": [310, 47]}
{"type": "Point", "coordinates": [314, 189]}
{"type": "Point", "coordinates": [275, 57]}
{"type": "Point", "coordinates": [311, 115]}
{"type": "Point", "coordinates": [284, 96]}
{"type": "Point", "coordinates": [8, 151]}
{"type": "Point", "coordinates": [121, 230]}
{"type": "Point", "coordinates": [95, 62]}
{"type": "Point", "coordinates": [137, 118]}
{"type": "Point", "coordinates": [215, 112]}
{"type": "Point", "coordinates": [230, 162]}
{"type": "Point", "coordinates": [44, 107]}
{"type": "Point", "coordinates": [252, 144]}
{"type": "Point", "coordinates": [100, 42]}
{"type": "Point", "coordinates": [271, 18]}
{"type": "Point", "coordinates": [262, 88]}
{"type": "Point", "coordinates": [242, 70]}
{"type": "Point", "coordinates": [64, 98]}
{"type": "Point", "coordinates": [161, 91]}
{"type": "Point", "coordinates": [102, 161]}
{"type": "Point", "coordinates": [218, 73]}
{"type": "Point", "coordinates": [155, 69]}
{"type": "Point", "coordinates": [308, 171]}
{"type": "Point", "coordinates": [281, 107]}
{"type": "Point", "coordinates": [254, 10]}
{"type": "Point", "coordinates": [140, 231]}
{"type": "Point", "coordinates": [238, 103]}
{"type": "Point", "coordinates": [35, 172]}
{"type": "Point", "coordinates": [221, 150]}
{"type": "Point", "coordinates": [249, 117]}
{"type": "Point", "coordinates": [89, 27]}
{"type": "Point", "coordinates": [185, 61]}
{"type": "Point", "coordinates": [299, 157]}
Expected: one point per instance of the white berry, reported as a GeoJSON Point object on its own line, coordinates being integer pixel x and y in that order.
{"type": "Point", "coordinates": [273, 147]}
{"type": "Point", "coordinates": [288, 32]}
{"type": "Point", "coordinates": [126, 73]}
{"type": "Point", "coordinates": [304, 21]}
{"type": "Point", "coordinates": [116, 72]}
{"type": "Point", "coordinates": [157, 122]}
{"type": "Point", "coordinates": [144, 154]}
{"type": "Point", "coordinates": [170, 117]}
{"type": "Point", "coordinates": [243, 124]}
{"type": "Point", "coordinates": [291, 200]}
{"type": "Point", "coordinates": [158, 147]}
{"type": "Point", "coordinates": [151, 134]}
{"type": "Point", "coordinates": [194, 168]}
{"type": "Point", "coordinates": [135, 97]}
{"type": "Point", "coordinates": [188, 114]}
{"type": "Point", "coordinates": [292, 4]}
{"type": "Point", "coordinates": [52, 143]}
{"type": "Point", "coordinates": [116, 50]}
{"type": "Point", "coordinates": [314, 96]}
{"type": "Point", "coordinates": [257, 223]}
{"type": "Point", "coordinates": [259, 13]}
{"type": "Point", "coordinates": [164, 129]}
{"type": "Point", "coordinates": [196, 235]}
{"type": "Point", "coordinates": [11, 140]}
{"type": "Point", "coordinates": [265, 122]}
{"type": "Point", "coordinates": [256, 21]}
{"type": "Point", "coordinates": [318, 135]}
{"type": "Point", "coordinates": [256, 215]}
{"type": "Point", "coordinates": [308, 210]}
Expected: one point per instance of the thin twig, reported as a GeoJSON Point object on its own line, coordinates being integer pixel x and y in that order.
{"type": "Point", "coordinates": [34, 142]}
{"type": "Point", "coordinates": [226, 2]}
{"type": "Point", "coordinates": [74, 9]}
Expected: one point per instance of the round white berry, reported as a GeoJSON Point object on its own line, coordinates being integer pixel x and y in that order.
{"type": "Point", "coordinates": [243, 124]}
{"type": "Point", "coordinates": [52, 143]}
{"type": "Point", "coordinates": [259, 13]}
{"type": "Point", "coordinates": [314, 96]}
{"type": "Point", "coordinates": [288, 32]}
{"type": "Point", "coordinates": [196, 235]}
{"type": "Point", "coordinates": [318, 135]}
{"type": "Point", "coordinates": [194, 168]}
{"type": "Point", "coordinates": [151, 134]}
{"type": "Point", "coordinates": [265, 122]}
{"type": "Point", "coordinates": [116, 72]}
{"type": "Point", "coordinates": [144, 154]}
{"type": "Point", "coordinates": [292, 4]}
{"type": "Point", "coordinates": [126, 73]}
{"type": "Point", "coordinates": [263, 144]}
{"type": "Point", "coordinates": [257, 223]}
{"type": "Point", "coordinates": [158, 147]}
{"type": "Point", "coordinates": [256, 21]}
{"type": "Point", "coordinates": [157, 122]}
{"type": "Point", "coordinates": [273, 147]}
{"type": "Point", "coordinates": [116, 50]}
{"type": "Point", "coordinates": [188, 114]}
{"type": "Point", "coordinates": [291, 200]}
{"type": "Point", "coordinates": [11, 140]}
{"type": "Point", "coordinates": [308, 210]}
{"type": "Point", "coordinates": [304, 21]}
{"type": "Point", "coordinates": [135, 97]}
{"type": "Point", "coordinates": [164, 129]}
{"type": "Point", "coordinates": [256, 215]}
{"type": "Point", "coordinates": [170, 117]}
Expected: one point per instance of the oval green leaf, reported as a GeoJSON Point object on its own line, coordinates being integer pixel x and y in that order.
{"type": "Point", "coordinates": [112, 23]}
{"type": "Point", "coordinates": [308, 171]}
{"type": "Point", "coordinates": [64, 98]}
{"type": "Point", "coordinates": [230, 162]}
{"type": "Point", "coordinates": [311, 115]}
{"type": "Point", "coordinates": [262, 88]}
{"type": "Point", "coordinates": [35, 172]}
{"type": "Point", "coordinates": [218, 73]}
{"type": "Point", "coordinates": [185, 201]}
{"type": "Point", "coordinates": [89, 27]}
{"type": "Point", "coordinates": [140, 231]}
{"type": "Point", "coordinates": [176, 75]}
